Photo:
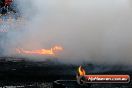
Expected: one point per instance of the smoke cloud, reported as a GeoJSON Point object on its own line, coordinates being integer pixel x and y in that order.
{"type": "Point", "coordinates": [89, 30]}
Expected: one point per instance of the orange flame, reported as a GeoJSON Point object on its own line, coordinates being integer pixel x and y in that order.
{"type": "Point", "coordinates": [51, 51]}
{"type": "Point", "coordinates": [81, 71]}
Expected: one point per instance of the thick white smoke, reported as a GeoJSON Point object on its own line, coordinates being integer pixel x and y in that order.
{"type": "Point", "coordinates": [89, 30]}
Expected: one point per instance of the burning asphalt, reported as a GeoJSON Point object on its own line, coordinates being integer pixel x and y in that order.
{"type": "Point", "coordinates": [49, 29]}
